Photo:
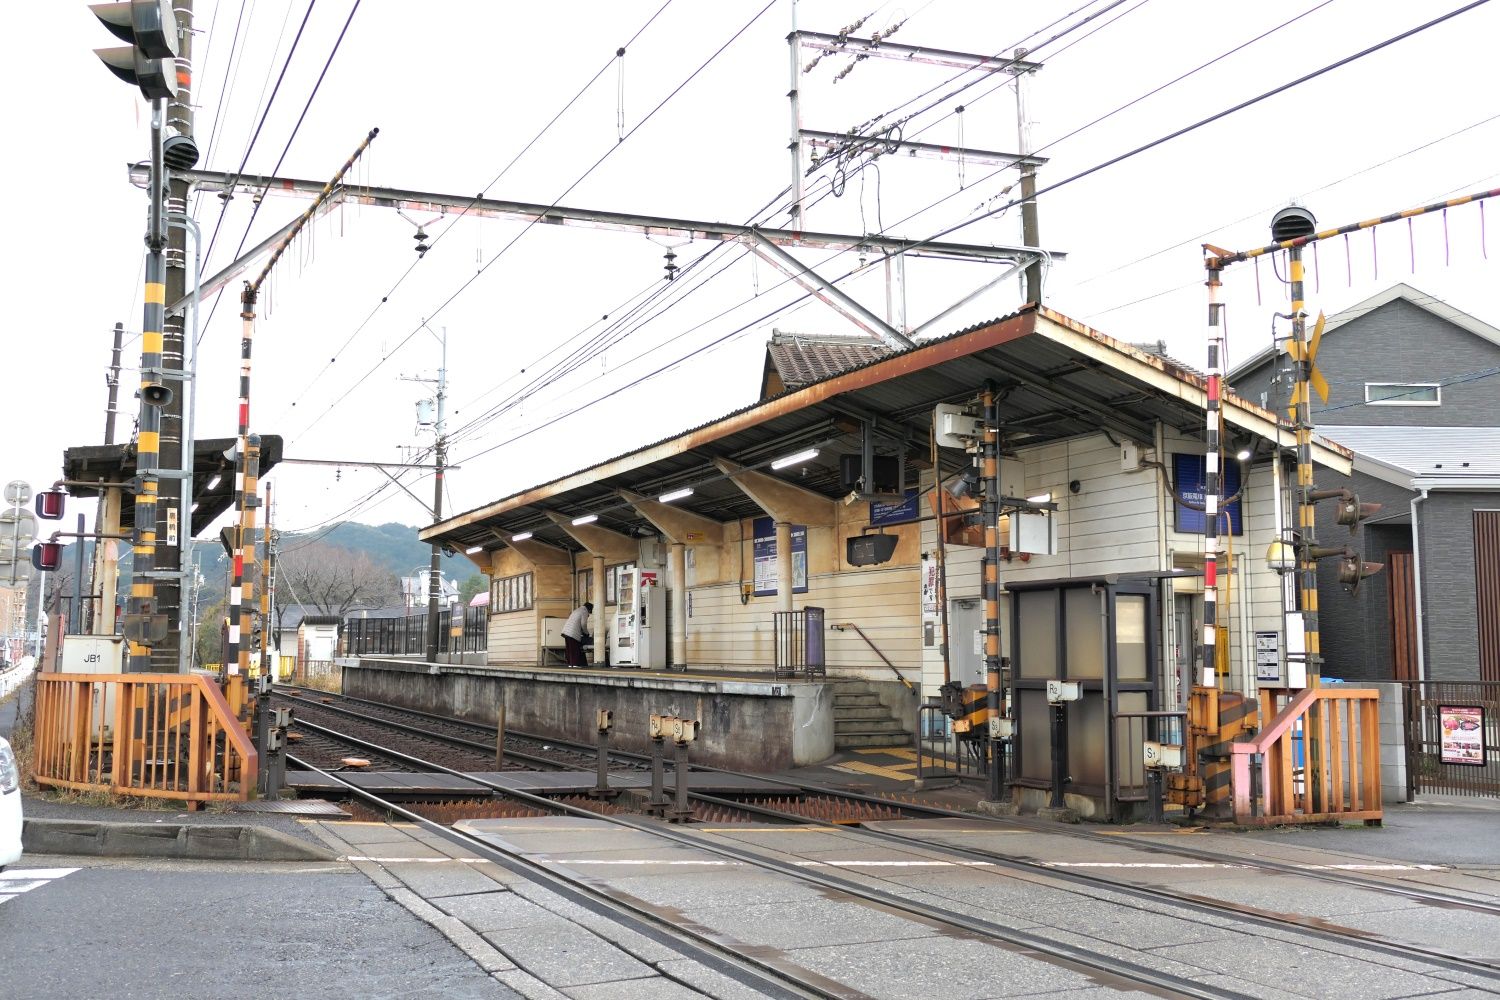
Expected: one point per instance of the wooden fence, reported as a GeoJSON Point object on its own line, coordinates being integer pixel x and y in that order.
{"type": "Point", "coordinates": [169, 736]}
{"type": "Point", "coordinates": [1317, 760]}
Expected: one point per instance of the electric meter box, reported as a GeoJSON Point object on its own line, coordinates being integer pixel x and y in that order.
{"type": "Point", "coordinates": [638, 633]}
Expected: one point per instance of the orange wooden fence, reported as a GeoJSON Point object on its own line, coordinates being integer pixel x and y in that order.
{"type": "Point", "coordinates": [1318, 760]}
{"type": "Point", "coordinates": [167, 736]}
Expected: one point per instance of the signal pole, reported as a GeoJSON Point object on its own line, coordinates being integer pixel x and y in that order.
{"type": "Point", "coordinates": [174, 513]}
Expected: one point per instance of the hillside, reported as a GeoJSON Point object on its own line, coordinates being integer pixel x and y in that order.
{"type": "Point", "coordinates": [391, 546]}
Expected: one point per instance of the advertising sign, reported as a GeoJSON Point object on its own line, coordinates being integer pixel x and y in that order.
{"type": "Point", "coordinates": [766, 556]}
{"type": "Point", "coordinates": [1461, 734]}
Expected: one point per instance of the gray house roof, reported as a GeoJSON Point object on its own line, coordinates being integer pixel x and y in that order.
{"type": "Point", "coordinates": [1431, 455]}
{"type": "Point", "coordinates": [1415, 296]}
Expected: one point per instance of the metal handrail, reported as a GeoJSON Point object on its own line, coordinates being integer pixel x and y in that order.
{"type": "Point", "coordinates": [841, 626]}
{"type": "Point", "coordinates": [169, 736]}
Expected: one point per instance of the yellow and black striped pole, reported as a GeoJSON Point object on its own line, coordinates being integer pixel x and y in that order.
{"type": "Point", "coordinates": [990, 471]}
{"type": "Point", "coordinates": [1307, 510]}
{"type": "Point", "coordinates": [265, 591]}
{"type": "Point", "coordinates": [142, 624]}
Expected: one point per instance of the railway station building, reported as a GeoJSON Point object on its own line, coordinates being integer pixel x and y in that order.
{"type": "Point", "coordinates": [703, 553]}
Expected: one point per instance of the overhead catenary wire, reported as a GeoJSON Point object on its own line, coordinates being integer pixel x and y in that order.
{"type": "Point", "coordinates": [469, 282]}
{"type": "Point", "coordinates": [437, 238]}
{"type": "Point", "coordinates": [285, 149]}
{"type": "Point", "coordinates": [1104, 165]}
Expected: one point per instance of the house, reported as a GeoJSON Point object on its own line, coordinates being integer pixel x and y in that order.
{"type": "Point", "coordinates": [1414, 392]}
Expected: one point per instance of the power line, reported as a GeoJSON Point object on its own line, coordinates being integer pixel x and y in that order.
{"type": "Point", "coordinates": [255, 210]}
{"type": "Point", "coordinates": [527, 228]}
{"type": "Point", "coordinates": [1217, 116]}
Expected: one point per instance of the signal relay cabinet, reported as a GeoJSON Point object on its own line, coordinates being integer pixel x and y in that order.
{"type": "Point", "coordinates": [638, 632]}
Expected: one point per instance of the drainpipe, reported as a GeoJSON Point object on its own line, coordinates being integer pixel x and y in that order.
{"type": "Point", "coordinates": [1416, 558]}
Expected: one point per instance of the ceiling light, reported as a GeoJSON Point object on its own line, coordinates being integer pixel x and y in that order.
{"type": "Point", "coordinates": [801, 456]}
{"type": "Point", "coordinates": [1041, 498]}
{"type": "Point", "coordinates": [686, 491]}
{"type": "Point", "coordinates": [473, 549]}
{"type": "Point", "coordinates": [521, 537]}
{"type": "Point", "coordinates": [213, 482]}
{"type": "Point", "coordinates": [1243, 455]}
{"type": "Point", "coordinates": [585, 519]}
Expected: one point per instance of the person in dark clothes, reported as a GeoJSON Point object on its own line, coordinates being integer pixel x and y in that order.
{"type": "Point", "coordinates": [575, 634]}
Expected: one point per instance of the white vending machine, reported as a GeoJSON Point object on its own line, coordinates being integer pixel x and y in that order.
{"type": "Point", "coordinates": [638, 637]}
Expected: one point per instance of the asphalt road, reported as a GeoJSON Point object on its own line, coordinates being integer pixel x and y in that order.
{"type": "Point", "coordinates": [135, 929]}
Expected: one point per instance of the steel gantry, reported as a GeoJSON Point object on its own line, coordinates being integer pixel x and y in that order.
{"type": "Point", "coordinates": [768, 243]}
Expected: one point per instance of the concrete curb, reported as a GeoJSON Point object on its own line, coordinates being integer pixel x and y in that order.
{"type": "Point", "coordinates": [182, 841]}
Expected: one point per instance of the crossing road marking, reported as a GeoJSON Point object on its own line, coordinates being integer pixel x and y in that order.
{"type": "Point", "coordinates": [16, 881]}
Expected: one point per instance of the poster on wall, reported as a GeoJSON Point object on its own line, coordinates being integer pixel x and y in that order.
{"type": "Point", "coordinates": [1189, 473]}
{"type": "Point", "coordinates": [1268, 656]}
{"type": "Point", "coordinates": [1461, 734]}
{"type": "Point", "coordinates": [765, 557]}
{"type": "Point", "coordinates": [929, 590]}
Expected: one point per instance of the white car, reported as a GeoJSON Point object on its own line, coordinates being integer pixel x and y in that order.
{"type": "Point", "coordinates": [10, 806]}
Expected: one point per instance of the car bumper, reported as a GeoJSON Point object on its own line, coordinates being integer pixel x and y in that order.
{"type": "Point", "coordinates": [10, 828]}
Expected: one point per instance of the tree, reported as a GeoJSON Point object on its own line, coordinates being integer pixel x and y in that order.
{"type": "Point", "coordinates": [476, 584]}
{"type": "Point", "coordinates": [208, 643]}
{"type": "Point", "coordinates": [331, 580]}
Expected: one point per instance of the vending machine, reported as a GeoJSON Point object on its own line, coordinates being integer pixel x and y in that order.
{"type": "Point", "coordinates": [639, 635]}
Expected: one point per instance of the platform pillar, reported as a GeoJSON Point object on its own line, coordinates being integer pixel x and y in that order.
{"type": "Point", "coordinates": [679, 605]}
{"type": "Point", "coordinates": [784, 575]}
{"type": "Point", "coordinates": [601, 645]}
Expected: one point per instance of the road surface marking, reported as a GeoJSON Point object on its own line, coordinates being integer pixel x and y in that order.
{"type": "Point", "coordinates": [15, 881]}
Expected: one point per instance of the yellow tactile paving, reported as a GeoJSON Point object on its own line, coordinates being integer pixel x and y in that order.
{"type": "Point", "coordinates": [897, 773]}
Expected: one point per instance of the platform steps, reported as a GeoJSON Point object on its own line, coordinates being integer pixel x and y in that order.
{"type": "Point", "coordinates": [860, 720]}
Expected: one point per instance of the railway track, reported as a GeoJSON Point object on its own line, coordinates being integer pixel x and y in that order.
{"type": "Point", "coordinates": [1103, 969]}
{"type": "Point", "coordinates": [1071, 956]}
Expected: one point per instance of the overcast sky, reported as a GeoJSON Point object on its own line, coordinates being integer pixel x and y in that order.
{"type": "Point", "coordinates": [458, 89]}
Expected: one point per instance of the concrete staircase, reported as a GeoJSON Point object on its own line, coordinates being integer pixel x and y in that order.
{"type": "Point", "coordinates": [860, 720]}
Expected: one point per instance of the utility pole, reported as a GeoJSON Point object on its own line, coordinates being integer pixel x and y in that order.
{"type": "Point", "coordinates": [107, 519]}
{"type": "Point", "coordinates": [1031, 235]}
{"type": "Point", "coordinates": [174, 514]}
{"type": "Point", "coordinates": [440, 428]}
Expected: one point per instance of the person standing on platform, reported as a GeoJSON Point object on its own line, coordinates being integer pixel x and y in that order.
{"type": "Point", "coordinates": [575, 634]}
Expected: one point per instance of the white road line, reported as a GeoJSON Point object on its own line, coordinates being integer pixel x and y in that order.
{"type": "Point", "coordinates": [16, 881]}
{"type": "Point", "coordinates": [30, 873]}
{"type": "Point", "coordinates": [426, 861]}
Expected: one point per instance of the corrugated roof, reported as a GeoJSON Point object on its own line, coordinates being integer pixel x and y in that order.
{"type": "Point", "coordinates": [1426, 452]}
{"type": "Point", "coordinates": [802, 359]}
{"type": "Point", "coordinates": [1056, 379]}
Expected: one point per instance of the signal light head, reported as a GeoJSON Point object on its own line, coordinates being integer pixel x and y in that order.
{"type": "Point", "coordinates": [49, 504]}
{"type": "Point", "coordinates": [1352, 512]}
{"type": "Point", "coordinates": [47, 556]}
{"type": "Point", "coordinates": [1352, 570]}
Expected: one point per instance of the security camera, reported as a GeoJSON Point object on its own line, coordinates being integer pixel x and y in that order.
{"type": "Point", "coordinates": [178, 149]}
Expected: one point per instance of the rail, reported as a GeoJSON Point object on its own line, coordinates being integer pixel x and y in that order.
{"type": "Point", "coordinates": [168, 736]}
{"type": "Point", "coordinates": [1318, 760]}
{"type": "Point", "coordinates": [841, 626]}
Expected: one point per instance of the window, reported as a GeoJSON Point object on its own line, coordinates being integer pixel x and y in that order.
{"type": "Point", "coordinates": [585, 580]}
{"type": "Point", "coordinates": [511, 593]}
{"type": "Point", "coordinates": [1403, 393]}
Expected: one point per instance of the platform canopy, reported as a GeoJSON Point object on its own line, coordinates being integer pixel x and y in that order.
{"type": "Point", "coordinates": [1055, 377]}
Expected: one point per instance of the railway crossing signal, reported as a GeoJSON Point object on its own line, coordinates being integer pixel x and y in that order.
{"type": "Point", "coordinates": [149, 60]}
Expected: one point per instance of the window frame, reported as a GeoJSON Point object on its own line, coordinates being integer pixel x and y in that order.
{"type": "Point", "coordinates": [510, 594]}
{"type": "Point", "coordinates": [1436, 387]}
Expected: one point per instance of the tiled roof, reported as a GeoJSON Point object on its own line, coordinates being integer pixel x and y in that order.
{"type": "Point", "coordinates": [1425, 452]}
{"type": "Point", "coordinates": [802, 359]}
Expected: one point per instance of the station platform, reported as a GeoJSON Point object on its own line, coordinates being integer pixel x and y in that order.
{"type": "Point", "coordinates": [750, 721]}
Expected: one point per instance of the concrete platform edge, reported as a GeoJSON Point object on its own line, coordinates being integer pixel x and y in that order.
{"type": "Point", "coordinates": [180, 841]}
